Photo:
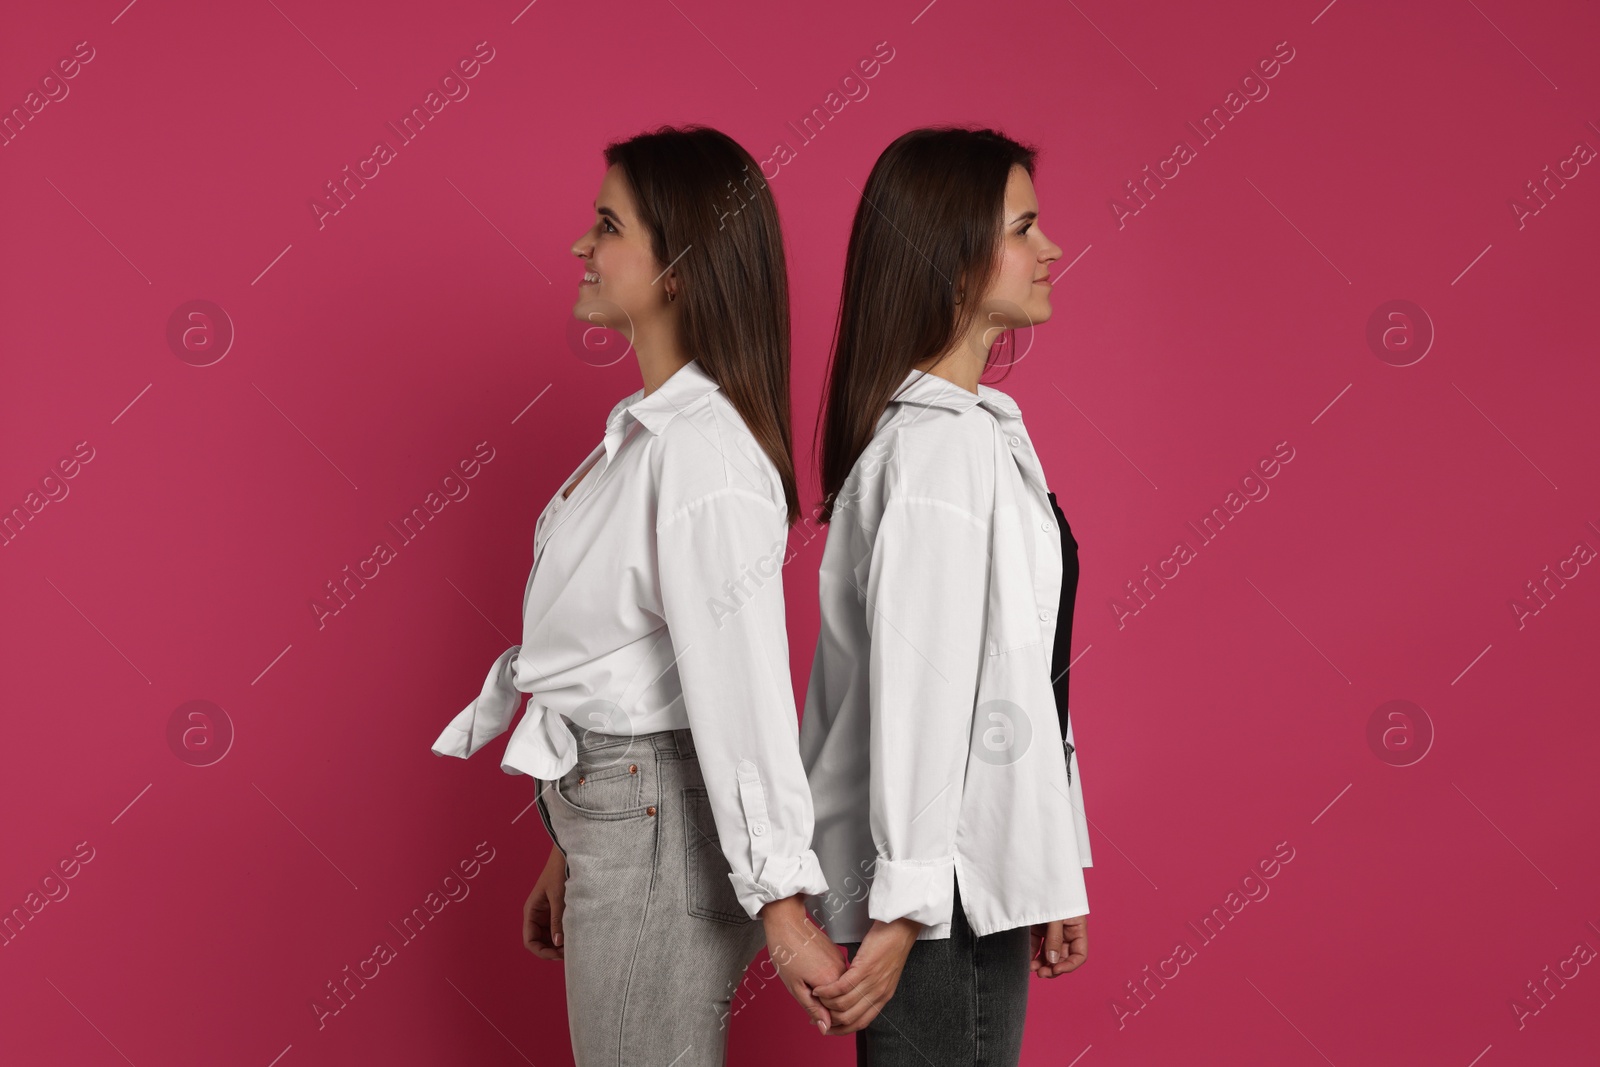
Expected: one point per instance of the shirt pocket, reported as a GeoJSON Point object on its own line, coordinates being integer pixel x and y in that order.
{"type": "Point", "coordinates": [611, 791]}
{"type": "Point", "coordinates": [709, 889]}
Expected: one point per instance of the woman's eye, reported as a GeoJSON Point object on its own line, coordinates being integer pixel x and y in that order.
{"type": "Point", "coordinates": [608, 227]}
{"type": "Point", "coordinates": [1025, 228]}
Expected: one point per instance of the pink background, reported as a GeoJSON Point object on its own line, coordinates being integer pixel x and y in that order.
{"type": "Point", "coordinates": [1234, 710]}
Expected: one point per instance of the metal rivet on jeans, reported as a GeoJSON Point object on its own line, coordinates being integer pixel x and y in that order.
{"type": "Point", "coordinates": [651, 810]}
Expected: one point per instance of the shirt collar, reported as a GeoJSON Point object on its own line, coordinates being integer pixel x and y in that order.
{"type": "Point", "coordinates": [930, 390]}
{"type": "Point", "coordinates": [686, 385]}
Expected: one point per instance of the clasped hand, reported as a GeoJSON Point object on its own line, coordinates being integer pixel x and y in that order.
{"type": "Point", "coordinates": [840, 999]}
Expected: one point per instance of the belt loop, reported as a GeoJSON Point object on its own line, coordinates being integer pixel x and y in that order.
{"type": "Point", "coordinates": [685, 740]}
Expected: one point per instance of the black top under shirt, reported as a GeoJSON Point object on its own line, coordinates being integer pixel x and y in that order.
{"type": "Point", "coordinates": [1061, 655]}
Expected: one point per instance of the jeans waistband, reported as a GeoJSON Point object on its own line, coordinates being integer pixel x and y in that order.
{"type": "Point", "coordinates": [679, 743]}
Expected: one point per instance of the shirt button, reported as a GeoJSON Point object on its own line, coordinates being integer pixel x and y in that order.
{"type": "Point", "coordinates": [759, 828]}
{"type": "Point", "coordinates": [1044, 616]}
{"type": "Point", "coordinates": [1046, 524]}
{"type": "Point", "coordinates": [1016, 442]}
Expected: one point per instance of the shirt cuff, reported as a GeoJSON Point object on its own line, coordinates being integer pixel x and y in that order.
{"type": "Point", "coordinates": [923, 890]}
{"type": "Point", "coordinates": [488, 716]}
{"type": "Point", "coordinates": [781, 877]}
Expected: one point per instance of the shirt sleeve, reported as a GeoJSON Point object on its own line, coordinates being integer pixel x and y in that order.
{"type": "Point", "coordinates": [490, 713]}
{"type": "Point", "coordinates": [720, 560]}
{"type": "Point", "coordinates": [926, 596]}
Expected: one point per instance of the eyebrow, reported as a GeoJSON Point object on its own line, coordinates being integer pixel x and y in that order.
{"type": "Point", "coordinates": [608, 213]}
{"type": "Point", "coordinates": [1026, 215]}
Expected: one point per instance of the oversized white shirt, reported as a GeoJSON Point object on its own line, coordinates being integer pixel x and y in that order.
{"type": "Point", "coordinates": [930, 734]}
{"type": "Point", "coordinates": [655, 602]}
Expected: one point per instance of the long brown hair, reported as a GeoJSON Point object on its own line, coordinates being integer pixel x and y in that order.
{"type": "Point", "coordinates": [926, 231]}
{"type": "Point", "coordinates": [699, 192]}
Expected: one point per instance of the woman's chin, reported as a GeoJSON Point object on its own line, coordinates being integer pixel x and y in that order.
{"type": "Point", "coordinates": [594, 309]}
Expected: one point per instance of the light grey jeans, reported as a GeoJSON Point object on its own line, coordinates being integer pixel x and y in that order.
{"type": "Point", "coordinates": [656, 941]}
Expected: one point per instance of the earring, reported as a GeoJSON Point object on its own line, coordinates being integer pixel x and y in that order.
{"type": "Point", "coordinates": [671, 295]}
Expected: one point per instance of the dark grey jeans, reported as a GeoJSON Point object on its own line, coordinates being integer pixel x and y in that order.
{"type": "Point", "coordinates": [655, 938]}
{"type": "Point", "coordinates": [961, 1002]}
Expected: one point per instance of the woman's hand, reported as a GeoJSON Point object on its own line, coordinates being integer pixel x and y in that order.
{"type": "Point", "coordinates": [804, 955]}
{"type": "Point", "coordinates": [541, 915]}
{"type": "Point", "coordinates": [861, 992]}
{"type": "Point", "coordinates": [1065, 945]}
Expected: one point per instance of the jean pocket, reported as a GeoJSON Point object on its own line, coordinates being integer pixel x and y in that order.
{"type": "Point", "coordinates": [544, 813]}
{"type": "Point", "coordinates": [609, 791]}
{"type": "Point", "coordinates": [709, 890]}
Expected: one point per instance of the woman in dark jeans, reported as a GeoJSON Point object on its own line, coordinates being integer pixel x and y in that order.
{"type": "Point", "coordinates": [949, 810]}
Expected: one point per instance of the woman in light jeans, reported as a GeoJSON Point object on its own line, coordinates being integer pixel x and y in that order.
{"type": "Point", "coordinates": [661, 721]}
{"type": "Point", "coordinates": [949, 813]}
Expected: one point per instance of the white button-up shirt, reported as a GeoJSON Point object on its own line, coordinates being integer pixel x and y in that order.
{"type": "Point", "coordinates": [656, 603]}
{"type": "Point", "coordinates": [930, 733]}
